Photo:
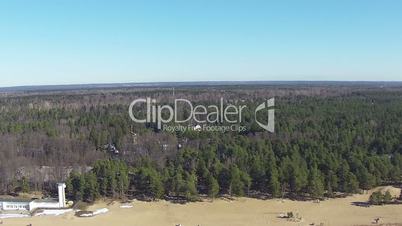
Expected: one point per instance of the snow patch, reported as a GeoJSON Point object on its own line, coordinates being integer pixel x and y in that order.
{"type": "Point", "coordinates": [126, 206]}
{"type": "Point", "coordinates": [13, 215]}
{"type": "Point", "coordinates": [96, 212]}
{"type": "Point", "coordinates": [101, 211]}
{"type": "Point", "coordinates": [49, 212]}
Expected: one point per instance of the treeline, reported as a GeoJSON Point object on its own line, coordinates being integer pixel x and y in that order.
{"type": "Point", "coordinates": [237, 171]}
{"type": "Point", "coordinates": [321, 145]}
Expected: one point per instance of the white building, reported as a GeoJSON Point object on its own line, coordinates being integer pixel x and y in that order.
{"type": "Point", "coordinates": [21, 204]}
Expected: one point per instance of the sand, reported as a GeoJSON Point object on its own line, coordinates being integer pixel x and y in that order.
{"type": "Point", "coordinates": [220, 212]}
{"type": "Point", "coordinates": [395, 192]}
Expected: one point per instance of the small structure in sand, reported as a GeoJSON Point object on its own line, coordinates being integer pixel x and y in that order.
{"type": "Point", "coordinates": [30, 205]}
{"type": "Point", "coordinates": [290, 216]}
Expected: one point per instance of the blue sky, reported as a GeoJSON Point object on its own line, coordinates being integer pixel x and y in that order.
{"type": "Point", "coordinates": [94, 41]}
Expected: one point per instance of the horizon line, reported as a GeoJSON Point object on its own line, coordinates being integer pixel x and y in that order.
{"type": "Point", "coordinates": [199, 81]}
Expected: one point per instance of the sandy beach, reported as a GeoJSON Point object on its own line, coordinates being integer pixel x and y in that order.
{"type": "Point", "coordinates": [220, 212]}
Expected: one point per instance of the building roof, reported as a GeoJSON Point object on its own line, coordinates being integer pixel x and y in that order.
{"type": "Point", "coordinates": [45, 200]}
{"type": "Point", "coordinates": [14, 200]}
{"type": "Point", "coordinates": [28, 200]}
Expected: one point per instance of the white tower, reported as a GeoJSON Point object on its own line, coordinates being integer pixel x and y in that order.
{"type": "Point", "coordinates": [62, 194]}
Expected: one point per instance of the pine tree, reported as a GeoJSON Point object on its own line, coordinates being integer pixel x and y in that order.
{"type": "Point", "coordinates": [155, 185]}
{"type": "Point", "coordinates": [212, 186]}
{"type": "Point", "coordinates": [273, 176]}
{"type": "Point", "coordinates": [178, 183]}
{"type": "Point", "coordinates": [331, 181]}
{"type": "Point", "coordinates": [122, 180]}
{"type": "Point", "coordinates": [236, 183]}
{"type": "Point", "coordinates": [387, 197]}
{"type": "Point", "coordinates": [76, 186]}
{"type": "Point", "coordinates": [246, 179]}
{"type": "Point", "coordinates": [111, 179]}
{"type": "Point", "coordinates": [91, 188]}
{"type": "Point", "coordinates": [315, 186]}
{"type": "Point", "coordinates": [25, 185]}
{"type": "Point", "coordinates": [352, 185]}
{"type": "Point", "coordinates": [191, 192]}
{"type": "Point", "coordinates": [295, 172]}
{"type": "Point", "coordinates": [376, 198]}
{"type": "Point", "coordinates": [149, 182]}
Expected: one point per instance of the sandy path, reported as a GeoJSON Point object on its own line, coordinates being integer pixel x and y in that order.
{"type": "Point", "coordinates": [241, 212]}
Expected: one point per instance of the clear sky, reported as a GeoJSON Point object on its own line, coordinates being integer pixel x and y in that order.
{"type": "Point", "coordinates": [95, 41]}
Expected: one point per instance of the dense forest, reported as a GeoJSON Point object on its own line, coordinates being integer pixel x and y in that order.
{"type": "Point", "coordinates": [328, 140]}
